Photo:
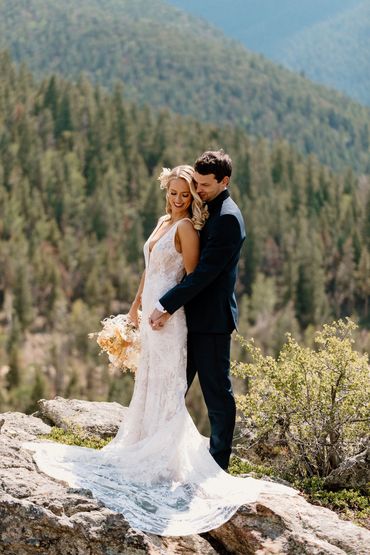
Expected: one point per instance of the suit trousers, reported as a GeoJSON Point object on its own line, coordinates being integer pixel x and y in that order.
{"type": "Point", "coordinates": [209, 355]}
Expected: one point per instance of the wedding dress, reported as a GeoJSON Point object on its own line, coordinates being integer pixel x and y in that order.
{"type": "Point", "coordinates": [157, 471]}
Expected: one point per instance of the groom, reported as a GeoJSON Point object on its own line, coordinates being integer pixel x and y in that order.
{"type": "Point", "coordinates": [207, 295]}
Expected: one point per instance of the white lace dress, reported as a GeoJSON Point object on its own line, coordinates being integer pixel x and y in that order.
{"type": "Point", "coordinates": [157, 471]}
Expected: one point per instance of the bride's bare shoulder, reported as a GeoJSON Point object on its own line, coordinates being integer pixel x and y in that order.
{"type": "Point", "coordinates": [186, 223]}
{"type": "Point", "coordinates": [186, 231]}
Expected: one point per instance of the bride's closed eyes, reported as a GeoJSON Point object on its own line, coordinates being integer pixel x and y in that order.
{"type": "Point", "coordinates": [183, 195]}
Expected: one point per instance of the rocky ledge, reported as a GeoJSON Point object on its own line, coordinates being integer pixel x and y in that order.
{"type": "Point", "coordinates": [39, 515]}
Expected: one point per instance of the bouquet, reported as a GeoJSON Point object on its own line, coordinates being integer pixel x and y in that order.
{"type": "Point", "coordinates": [121, 340]}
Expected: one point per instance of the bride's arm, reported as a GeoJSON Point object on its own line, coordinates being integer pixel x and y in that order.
{"type": "Point", "coordinates": [137, 302]}
{"type": "Point", "coordinates": [190, 245]}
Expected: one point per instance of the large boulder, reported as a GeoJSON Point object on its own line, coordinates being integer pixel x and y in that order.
{"type": "Point", "coordinates": [43, 516]}
{"type": "Point", "coordinates": [91, 418]}
{"type": "Point", "coordinates": [354, 472]}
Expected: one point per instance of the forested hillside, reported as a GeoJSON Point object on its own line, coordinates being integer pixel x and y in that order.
{"type": "Point", "coordinates": [335, 52]}
{"type": "Point", "coordinates": [328, 41]}
{"type": "Point", "coordinates": [265, 25]}
{"type": "Point", "coordinates": [165, 57]}
{"type": "Point", "coordinates": [78, 195]}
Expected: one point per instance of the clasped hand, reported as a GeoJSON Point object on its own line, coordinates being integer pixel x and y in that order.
{"type": "Point", "coordinates": [157, 319]}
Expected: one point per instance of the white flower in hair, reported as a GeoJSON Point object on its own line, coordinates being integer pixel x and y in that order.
{"type": "Point", "coordinates": [163, 178]}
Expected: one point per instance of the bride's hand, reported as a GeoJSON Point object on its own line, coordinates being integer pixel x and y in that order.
{"type": "Point", "coordinates": [158, 319]}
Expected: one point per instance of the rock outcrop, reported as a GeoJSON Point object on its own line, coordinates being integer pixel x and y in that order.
{"type": "Point", "coordinates": [40, 515]}
{"type": "Point", "coordinates": [93, 418]}
{"type": "Point", "coordinates": [354, 472]}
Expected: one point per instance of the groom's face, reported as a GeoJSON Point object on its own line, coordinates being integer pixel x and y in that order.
{"type": "Point", "coordinates": [208, 187]}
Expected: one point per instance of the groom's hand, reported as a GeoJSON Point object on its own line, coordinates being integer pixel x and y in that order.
{"type": "Point", "coordinates": [158, 319]}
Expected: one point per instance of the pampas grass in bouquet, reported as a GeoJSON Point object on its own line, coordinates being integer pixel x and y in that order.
{"type": "Point", "coordinates": [120, 339]}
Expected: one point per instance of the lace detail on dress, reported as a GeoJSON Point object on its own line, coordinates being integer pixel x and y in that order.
{"type": "Point", "coordinates": [157, 471]}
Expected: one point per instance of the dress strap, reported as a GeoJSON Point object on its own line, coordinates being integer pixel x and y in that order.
{"type": "Point", "coordinates": [176, 225]}
{"type": "Point", "coordinates": [182, 219]}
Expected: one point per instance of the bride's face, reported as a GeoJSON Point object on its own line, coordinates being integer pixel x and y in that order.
{"type": "Point", "coordinates": [179, 196]}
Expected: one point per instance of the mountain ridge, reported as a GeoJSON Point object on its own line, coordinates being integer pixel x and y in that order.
{"type": "Point", "coordinates": [305, 37]}
{"type": "Point", "coordinates": [165, 57]}
{"type": "Point", "coordinates": [321, 53]}
{"type": "Point", "coordinates": [261, 26]}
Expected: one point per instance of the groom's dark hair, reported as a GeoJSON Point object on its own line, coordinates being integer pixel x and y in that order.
{"type": "Point", "coordinates": [216, 162]}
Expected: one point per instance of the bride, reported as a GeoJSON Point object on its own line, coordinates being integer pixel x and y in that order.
{"type": "Point", "coordinates": [158, 471]}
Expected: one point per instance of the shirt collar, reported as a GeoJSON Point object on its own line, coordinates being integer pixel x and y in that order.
{"type": "Point", "coordinates": [217, 201]}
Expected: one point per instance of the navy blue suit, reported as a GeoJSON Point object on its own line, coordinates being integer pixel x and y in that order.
{"type": "Point", "coordinates": [208, 297]}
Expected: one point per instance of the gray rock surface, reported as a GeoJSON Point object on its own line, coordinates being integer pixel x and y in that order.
{"type": "Point", "coordinates": [90, 417]}
{"type": "Point", "coordinates": [43, 516]}
{"type": "Point", "coordinates": [354, 472]}
{"type": "Point", "coordinates": [279, 524]}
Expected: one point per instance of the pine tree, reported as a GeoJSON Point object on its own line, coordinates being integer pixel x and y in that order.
{"type": "Point", "coordinates": [14, 375]}
{"type": "Point", "coordinates": [64, 117]}
{"type": "Point", "coordinates": [153, 207]}
{"type": "Point", "coordinates": [23, 305]}
{"type": "Point", "coordinates": [37, 392]}
{"type": "Point", "coordinates": [51, 97]}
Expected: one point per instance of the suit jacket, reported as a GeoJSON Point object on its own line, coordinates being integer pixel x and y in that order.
{"type": "Point", "coordinates": [207, 294]}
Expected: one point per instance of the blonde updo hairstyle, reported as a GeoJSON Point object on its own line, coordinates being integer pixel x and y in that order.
{"type": "Point", "coordinates": [199, 212]}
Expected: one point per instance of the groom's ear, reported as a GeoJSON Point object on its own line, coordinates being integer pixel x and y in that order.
{"type": "Point", "coordinates": [225, 181]}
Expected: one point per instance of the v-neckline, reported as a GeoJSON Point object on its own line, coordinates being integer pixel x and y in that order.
{"type": "Point", "coordinates": [150, 250]}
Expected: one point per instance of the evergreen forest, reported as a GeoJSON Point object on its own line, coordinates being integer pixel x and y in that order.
{"type": "Point", "coordinates": [79, 195]}
{"type": "Point", "coordinates": [164, 57]}
{"type": "Point", "coordinates": [327, 41]}
{"type": "Point", "coordinates": [264, 26]}
{"type": "Point", "coordinates": [322, 54]}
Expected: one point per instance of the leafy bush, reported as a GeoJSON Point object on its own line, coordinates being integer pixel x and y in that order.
{"type": "Point", "coordinates": [313, 402]}
{"type": "Point", "coordinates": [240, 466]}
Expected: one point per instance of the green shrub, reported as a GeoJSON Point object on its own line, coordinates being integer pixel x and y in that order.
{"type": "Point", "coordinates": [240, 466]}
{"type": "Point", "coordinates": [314, 402]}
